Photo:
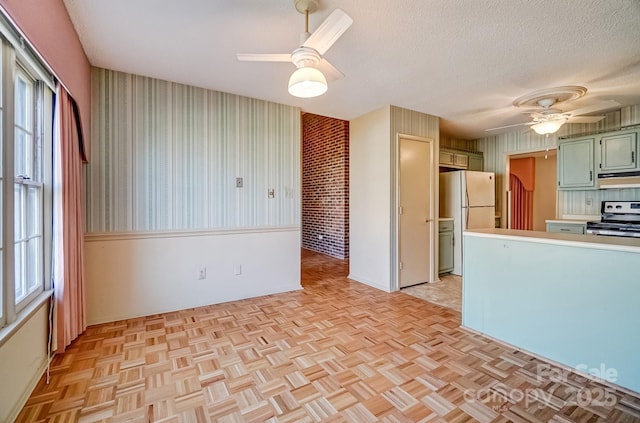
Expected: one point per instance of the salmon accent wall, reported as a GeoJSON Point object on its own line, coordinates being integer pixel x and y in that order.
{"type": "Point", "coordinates": [325, 185]}
{"type": "Point", "coordinates": [48, 27]}
{"type": "Point", "coordinates": [525, 170]}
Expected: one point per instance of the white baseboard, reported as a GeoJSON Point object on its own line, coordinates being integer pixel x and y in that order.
{"type": "Point", "coordinates": [370, 283]}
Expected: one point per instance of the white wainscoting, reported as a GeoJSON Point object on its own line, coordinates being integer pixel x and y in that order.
{"type": "Point", "coordinates": [138, 274]}
{"type": "Point", "coordinates": [23, 359]}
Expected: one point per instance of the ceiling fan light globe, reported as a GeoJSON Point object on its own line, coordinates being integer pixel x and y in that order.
{"type": "Point", "coordinates": [307, 82]}
{"type": "Point", "coordinates": [548, 126]}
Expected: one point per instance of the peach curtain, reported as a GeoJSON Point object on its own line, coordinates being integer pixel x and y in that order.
{"type": "Point", "coordinates": [68, 247]}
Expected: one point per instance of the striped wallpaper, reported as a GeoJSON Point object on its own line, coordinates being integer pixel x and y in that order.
{"type": "Point", "coordinates": [410, 122]}
{"type": "Point", "coordinates": [569, 202]}
{"type": "Point", "coordinates": [447, 141]}
{"type": "Point", "coordinates": [165, 156]}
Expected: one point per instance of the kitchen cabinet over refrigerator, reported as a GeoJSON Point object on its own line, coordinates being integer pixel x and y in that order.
{"type": "Point", "coordinates": [469, 198]}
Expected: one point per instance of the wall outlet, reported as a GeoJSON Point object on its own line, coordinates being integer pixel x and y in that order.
{"type": "Point", "coordinates": [202, 273]}
{"type": "Point", "coordinates": [589, 202]}
{"type": "Point", "coordinates": [239, 182]}
{"type": "Point", "coordinates": [237, 269]}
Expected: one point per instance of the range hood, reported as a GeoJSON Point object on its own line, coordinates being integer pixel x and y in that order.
{"type": "Point", "coordinates": [619, 180]}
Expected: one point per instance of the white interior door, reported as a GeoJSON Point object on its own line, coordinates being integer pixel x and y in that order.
{"type": "Point", "coordinates": [414, 213]}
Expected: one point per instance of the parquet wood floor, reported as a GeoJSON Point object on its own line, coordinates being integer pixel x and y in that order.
{"type": "Point", "coordinates": [337, 351]}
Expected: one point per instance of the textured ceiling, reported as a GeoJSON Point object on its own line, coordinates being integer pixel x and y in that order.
{"type": "Point", "coordinates": [462, 60]}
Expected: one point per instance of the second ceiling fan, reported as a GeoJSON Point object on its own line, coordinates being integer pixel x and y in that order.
{"type": "Point", "coordinates": [310, 79]}
{"type": "Point", "coordinates": [545, 119]}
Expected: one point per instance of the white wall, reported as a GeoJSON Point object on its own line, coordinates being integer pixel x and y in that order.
{"type": "Point", "coordinates": [23, 358]}
{"type": "Point", "coordinates": [130, 275]}
{"type": "Point", "coordinates": [370, 199]}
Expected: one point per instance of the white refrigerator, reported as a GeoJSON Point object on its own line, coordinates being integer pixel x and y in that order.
{"type": "Point", "coordinates": [469, 198]}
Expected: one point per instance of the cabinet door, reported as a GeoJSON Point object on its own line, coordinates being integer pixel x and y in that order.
{"type": "Point", "coordinates": [618, 152]}
{"type": "Point", "coordinates": [461, 160]}
{"type": "Point", "coordinates": [575, 164]}
{"type": "Point", "coordinates": [476, 162]}
{"type": "Point", "coordinates": [446, 158]}
{"type": "Point", "coordinates": [445, 257]}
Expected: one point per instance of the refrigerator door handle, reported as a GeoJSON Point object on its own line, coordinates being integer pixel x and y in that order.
{"type": "Point", "coordinates": [466, 218]}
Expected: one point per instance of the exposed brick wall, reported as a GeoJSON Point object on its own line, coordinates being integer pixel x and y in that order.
{"type": "Point", "coordinates": [325, 185]}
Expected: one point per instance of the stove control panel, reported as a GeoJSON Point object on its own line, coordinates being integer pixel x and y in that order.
{"type": "Point", "coordinates": [632, 207]}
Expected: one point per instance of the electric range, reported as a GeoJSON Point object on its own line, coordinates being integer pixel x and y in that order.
{"type": "Point", "coordinates": [618, 218]}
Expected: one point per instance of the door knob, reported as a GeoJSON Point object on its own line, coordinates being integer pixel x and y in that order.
{"type": "Point", "coordinates": [427, 221]}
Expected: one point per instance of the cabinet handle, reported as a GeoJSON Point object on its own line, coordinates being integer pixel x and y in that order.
{"type": "Point", "coordinates": [591, 176]}
{"type": "Point", "coordinates": [633, 157]}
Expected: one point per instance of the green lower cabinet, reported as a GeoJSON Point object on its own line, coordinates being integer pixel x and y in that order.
{"type": "Point", "coordinates": [567, 227]}
{"type": "Point", "coordinates": [445, 256]}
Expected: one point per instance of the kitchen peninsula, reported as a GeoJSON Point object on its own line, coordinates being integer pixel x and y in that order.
{"type": "Point", "coordinates": [572, 299]}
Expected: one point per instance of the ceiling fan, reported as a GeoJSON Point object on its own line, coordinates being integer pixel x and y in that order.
{"type": "Point", "coordinates": [309, 79]}
{"type": "Point", "coordinates": [546, 119]}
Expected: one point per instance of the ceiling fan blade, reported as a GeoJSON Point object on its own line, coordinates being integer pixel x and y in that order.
{"type": "Point", "coordinates": [329, 71]}
{"type": "Point", "coordinates": [249, 57]}
{"type": "Point", "coordinates": [329, 31]}
{"type": "Point", "coordinates": [510, 126]}
{"type": "Point", "coordinates": [609, 104]}
{"type": "Point", "coordinates": [585, 119]}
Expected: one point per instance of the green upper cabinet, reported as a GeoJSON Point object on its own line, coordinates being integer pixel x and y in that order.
{"type": "Point", "coordinates": [454, 159]}
{"type": "Point", "coordinates": [461, 159]}
{"type": "Point", "coordinates": [618, 152]}
{"type": "Point", "coordinates": [476, 161]}
{"type": "Point", "coordinates": [576, 164]}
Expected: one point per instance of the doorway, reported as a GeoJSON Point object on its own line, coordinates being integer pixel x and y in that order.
{"type": "Point", "coordinates": [415, 224]}
{"type": "Point", "coordinates": [325, 185]}
{"type": "Point", "coordinates": [531, 189]}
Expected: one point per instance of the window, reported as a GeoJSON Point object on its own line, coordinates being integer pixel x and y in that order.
{"type": "Point", "coordinates": [28, 188]}
{"type": "Point", "coordinates": [26, 143]}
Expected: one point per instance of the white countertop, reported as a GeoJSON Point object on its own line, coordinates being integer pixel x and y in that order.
{"type": "Point", "coordinates": [575, 221]}
{"type": "Point", "coordinates": [581, 217]}
{"type": "Point", "coordinates": [575, 218]}
{"type": "Point", "coordinates": [585, 241]}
